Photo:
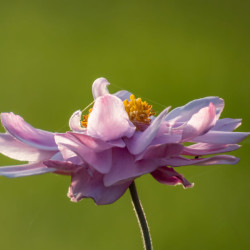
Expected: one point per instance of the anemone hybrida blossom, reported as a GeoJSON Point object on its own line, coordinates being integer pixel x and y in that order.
{"type": "Point", "coordinates": [119, 140]}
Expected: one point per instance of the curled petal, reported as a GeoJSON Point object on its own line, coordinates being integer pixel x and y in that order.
{"type": "Point", "coordinates": [227, 124]}
{"type": "Point", "coordinates": [123, 95]}
{"type": "Point", "coordinates": [109, 120]}
{"type": "Point", "coordinates": [24, 132]}
{"type": "Point", "coordinates": [207, 149]}
{"type": "Point", "coordinates": [84, 185]}
{"type": "Point", "coordinates": [11, 147]}
{"type": "Point", "coordinates": [99, 87]}
{"type": "Point", "coordinates": [25, 170]}
{"type": "Point", "coordinates": [200, 122]}
{"type": "Point", "coordinates": [70, 147]}
{"type": "Point", "coordinates": [184, 113]}
{"type": "Point", "coordinates": [169, 176]}
{"type": "Point", "coordinates": [140, 141]}
{"type": "Point", "coordinates": [74, 122]}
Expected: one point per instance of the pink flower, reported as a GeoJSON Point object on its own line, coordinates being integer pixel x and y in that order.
{"type": "Point", "coordinates": [119, 140]}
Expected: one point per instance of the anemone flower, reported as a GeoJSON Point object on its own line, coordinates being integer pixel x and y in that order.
{"type": "Point", "coordinates": [119, 140]}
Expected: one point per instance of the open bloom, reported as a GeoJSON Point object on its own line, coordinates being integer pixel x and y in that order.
{"type": "Point", "coordinates": [119, 140]}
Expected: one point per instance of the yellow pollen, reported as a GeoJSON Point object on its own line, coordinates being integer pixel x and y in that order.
{"type": "Point", "coordinates": [138, 111]}
{"type": "Point", "coordinates": [84, 120]}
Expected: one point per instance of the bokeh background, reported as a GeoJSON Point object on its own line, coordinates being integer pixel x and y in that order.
{"type": "Point", "coordinates": [168, 52]}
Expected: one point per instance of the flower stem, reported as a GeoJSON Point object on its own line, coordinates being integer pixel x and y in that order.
{"type": "Point", "coordinates": [140, 217]}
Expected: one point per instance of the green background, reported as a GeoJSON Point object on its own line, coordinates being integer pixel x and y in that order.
{"type": "Point", "coordinates": [169, 53]}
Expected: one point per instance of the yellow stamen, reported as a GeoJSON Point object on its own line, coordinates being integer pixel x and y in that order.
{"type": "Point", "coordinates": [84, 120]}
{"type": "Point", "coordinates": [138, 111]}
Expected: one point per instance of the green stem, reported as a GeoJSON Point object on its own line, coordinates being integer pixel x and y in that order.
{"type": "Point", "coordinates": [140, 217]}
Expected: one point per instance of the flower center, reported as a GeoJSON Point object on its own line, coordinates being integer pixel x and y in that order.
{"type": "Point", "coordinates": [138, 111]}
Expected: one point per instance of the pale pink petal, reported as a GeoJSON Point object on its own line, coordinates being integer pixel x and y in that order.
{"type": "Point", "coordinates": [184, 113]}
{"type": "Point", "coordinates": [227, 124]}
{"type": "Point", "coordinates": [57, 157]}
{"type": "Point", "coordinates": [167, 138]}
{"type": "Point", "coordinates": [97, 144]}
{"type": "Point", "coordinates": [84, 185]}
{"type": "Point", "coordinates": [62, 167]}
{"type": "Point", "coordinates": [75, 160]}
{"type": "Point", "coordinates": [75, 122]}
{"type": "Point", "coordinates": [220, 137]}
{"type": "Point", "coordinates": [167, 134]}
{"type": "Point", "coordinates": [141, 140]}
{"type": "Point", "coordinates": [70, 147]}
{"type": "Point", "coordinates": [109, 120]}
{"type": "Point", "coordinates": [200, 122]}
{"type": "Point", "coordinates": [117, 143]}
{"type": "Point", "coordinates": [15, 149]}
{"type": "Point", "coordinates": [62, 142]}
{"type": "Point", "coordinates": [161, 151]}
{"type": "Point", "coordinates": [25, 170]}
{"type": "Point", "coordinates": [24, 132]}
{"type": "Point", "coordinates": [169, 176]}
{"type": "Point", "coordinates": [99, 87]}
{"type": "Point", "coordinates": [215, 160]}
{"type": "Point", "coordinates": [124, 168]}
{"type": "Point", "coordinates": [123, 95]}
{"type": "Point", "coordinates": [207, 149]}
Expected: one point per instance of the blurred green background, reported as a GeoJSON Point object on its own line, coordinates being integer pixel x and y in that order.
{"type": "Point", "coordinates": [168, 52]}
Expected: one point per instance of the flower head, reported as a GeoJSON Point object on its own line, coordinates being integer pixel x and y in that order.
{"type": "Point", "coordinates": [119, 140]}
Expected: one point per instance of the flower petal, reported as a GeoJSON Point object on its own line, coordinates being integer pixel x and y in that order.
{"type": "Point", "coordinates": [227, 124]}
{"type": "Point", "coordinates": [124, 168]}
{"type": "Point", "coordinates": [167, 138]}
{"type": "Point", "coordinates": [140, 141]}
{"type": "Point", "coordinates": [109, 120]}
{"type": "Point", "coordinates": [215, 160]}
{"type": "Point", "coordinates": [218, 137]}
{"type": "Point", "coordinates": [70, 147]}
{"type": "Point", "coordinates": [184, 113]}
{"type": "Point", "coordinates": [83, 185]}
{"type": "Point", "coordinates": [25, 170]}
{"type": "Point", "coordinates": [24, 132]}
{"type": "Point", "coordinates": [74, 122]}
{"type": "Point", "coordinates": [160, 151]}
{"type": "Point", "coordinates": [166, 134]}
{"type": "Point", "coordinates": [207, 149]}
{"type": "Point", "coordinates": [96, 144]}
{"type": "Point", "coordinates": [169, 176]}
{"type": "Point", "coordinates": [99, 87]}
{"type": "Point", "coordinates": [200, 122]}
{"type": "Point", "coordinates": [11, 147]}
{"type": "Point", "coordinates": [62, 167]}
{"type": "Point", "coordinates": [123, 95]}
